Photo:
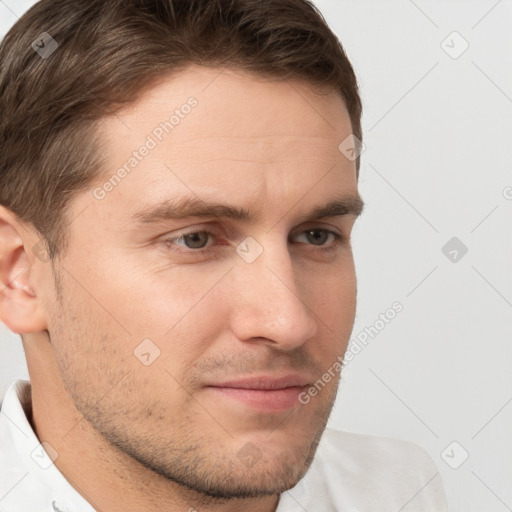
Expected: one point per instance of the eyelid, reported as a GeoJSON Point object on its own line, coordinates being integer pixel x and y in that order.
{"type": "Point", "coordinates": [339, 238]}
{"type": "Point", "coordinates": [169, 240]}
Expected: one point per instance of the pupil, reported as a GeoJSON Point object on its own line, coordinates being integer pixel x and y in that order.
{"type": "Point", "coordinates": [194, 237]}
{"type": "Point", "coordinates": [322, 234]}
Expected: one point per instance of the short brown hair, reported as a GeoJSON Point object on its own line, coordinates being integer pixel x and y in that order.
{"type": "Point", "coordinates": [108, 52]}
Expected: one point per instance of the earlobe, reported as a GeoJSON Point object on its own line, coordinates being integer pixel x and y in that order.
{"type": "Point", "coordinates": [20, 307]}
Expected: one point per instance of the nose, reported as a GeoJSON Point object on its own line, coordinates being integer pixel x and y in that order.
{"type": "Point", "coordinates": [268, 304]}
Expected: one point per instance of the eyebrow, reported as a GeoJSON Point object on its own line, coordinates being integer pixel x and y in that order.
{"type": "Point", "coordinates": [188, 207]}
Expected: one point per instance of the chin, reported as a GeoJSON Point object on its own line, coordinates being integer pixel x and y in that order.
{"type": "Point", "coordinates": [232, 480]}
{"type": "Point", "coordinates": [244, 471]}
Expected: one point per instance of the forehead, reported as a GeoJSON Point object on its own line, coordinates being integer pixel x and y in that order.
{"type": "Point", "coordinates": [230, 105]}
{"type": "Point", "coordinates": [220, 133]}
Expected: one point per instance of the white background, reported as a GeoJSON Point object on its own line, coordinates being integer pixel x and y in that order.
{"type": "Point", "coordinates": [437, 164]}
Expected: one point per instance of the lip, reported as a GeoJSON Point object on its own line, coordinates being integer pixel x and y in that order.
{"type": "Point", "coordinates": [264, 393]}
{"type": "Point", "coordinates": [266, 382]}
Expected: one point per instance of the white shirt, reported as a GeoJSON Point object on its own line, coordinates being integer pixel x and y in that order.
{"type": "Point", "coordinates": [350, 472]}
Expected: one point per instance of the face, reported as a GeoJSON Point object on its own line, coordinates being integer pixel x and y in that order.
{"type": "Point", "coordinates": [185, 332]}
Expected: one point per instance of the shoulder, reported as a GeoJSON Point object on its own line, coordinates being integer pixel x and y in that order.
{"type": "Point", "coordinates": [373, 452]}
{"type": "Point", "coordinates": [369, 474]}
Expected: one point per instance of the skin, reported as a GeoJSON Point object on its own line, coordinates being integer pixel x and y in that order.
{"type": "Point", "coordinates": [155, 437]}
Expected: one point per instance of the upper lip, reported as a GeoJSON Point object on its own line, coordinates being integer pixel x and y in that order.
{"type": "Point", "coordinates": [265, 382]}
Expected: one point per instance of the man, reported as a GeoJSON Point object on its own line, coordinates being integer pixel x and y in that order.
{"type": "Point", "coordinates": [178, 188]}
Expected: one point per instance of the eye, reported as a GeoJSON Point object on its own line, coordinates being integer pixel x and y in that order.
{"type": "Point", "coordinates": [194, 240]}
{"type": "Point", "coordinates": [318, 237]}
{"type": "Point", "coordinates": [197, 241]}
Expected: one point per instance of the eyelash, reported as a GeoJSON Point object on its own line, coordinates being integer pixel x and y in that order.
{"type": "Point", "coordinates": [338, 240]}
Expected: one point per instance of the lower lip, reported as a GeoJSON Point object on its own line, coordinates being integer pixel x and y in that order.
{"type": "Point", "coordinates": [272, 400]}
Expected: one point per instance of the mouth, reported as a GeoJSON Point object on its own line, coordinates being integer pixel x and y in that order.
{"type": "Point", "coordinates": [264, 393]}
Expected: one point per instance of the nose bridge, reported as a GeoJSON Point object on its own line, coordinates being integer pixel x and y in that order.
{"type": "Point", "coordinates": [269, 302]}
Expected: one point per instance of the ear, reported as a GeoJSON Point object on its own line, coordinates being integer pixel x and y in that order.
{"type": "Point", "coordinates": [20, 306]}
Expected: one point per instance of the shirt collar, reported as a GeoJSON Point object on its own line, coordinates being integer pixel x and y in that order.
{"type": "Point", "coordinates": [29, 463]}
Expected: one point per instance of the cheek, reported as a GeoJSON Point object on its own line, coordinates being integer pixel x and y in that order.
{"type": "Point", "coordinates": [334, 303]}
{"type": "Point", "coordinates": [122, 314]}
{"type": "Point", "coordinates": [333, 298]}
{"type": "Point", "coordinates": [158, 302]}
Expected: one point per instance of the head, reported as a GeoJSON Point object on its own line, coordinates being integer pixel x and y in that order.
{"type": "Point", "coordinates": [163, 252]}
